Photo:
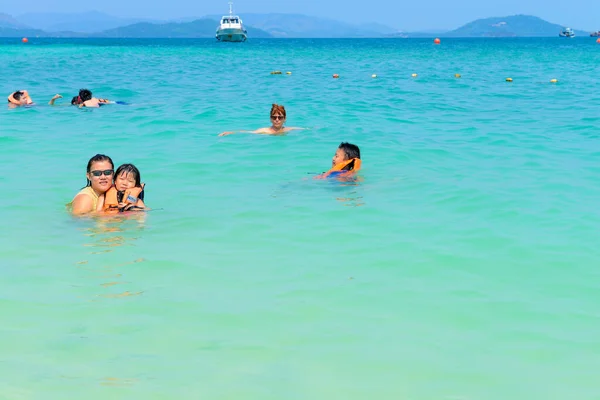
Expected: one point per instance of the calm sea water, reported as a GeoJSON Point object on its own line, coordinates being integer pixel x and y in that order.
{"type": "Point", "coordinates": [465, 265]}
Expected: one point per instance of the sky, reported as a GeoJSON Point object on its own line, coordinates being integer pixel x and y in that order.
{"type": "Point", "coordinates": [400, 14]}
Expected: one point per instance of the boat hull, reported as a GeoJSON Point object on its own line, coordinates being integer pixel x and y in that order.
{"type": "Point", "coordinates": [231, 35]}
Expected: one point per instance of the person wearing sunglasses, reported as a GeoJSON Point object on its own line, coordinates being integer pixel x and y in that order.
{"type": "Point", "coordinates": [90, 199]}
{"type": "Point", "coordinates": [278, 117]}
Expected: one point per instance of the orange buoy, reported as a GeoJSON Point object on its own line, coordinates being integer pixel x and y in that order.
{"type": "Point", "coordinates": [336, 76]}
{"type": "Point", "coordinates": [598, 40]}
{"type": "Point", "coordinates": [24, 40]}
{"type": "Point", "coordinates": [437, 41]}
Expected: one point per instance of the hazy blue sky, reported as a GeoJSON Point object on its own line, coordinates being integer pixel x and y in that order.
{"type": "Point", "coordinates": [405, 15]}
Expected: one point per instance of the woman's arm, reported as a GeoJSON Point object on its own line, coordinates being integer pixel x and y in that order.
{"type": "Point", "coordinates": [232, 132]}
{"type": "Point", "coordinates": [83, 204]}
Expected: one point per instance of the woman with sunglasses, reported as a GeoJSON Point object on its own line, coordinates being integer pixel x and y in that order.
{"type": "Point", "coordinates": [90, 199]}
{"type": "Point", "coordinates": [277, 120]}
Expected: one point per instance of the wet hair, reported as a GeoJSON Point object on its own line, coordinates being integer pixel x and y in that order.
{"type": "Point", "coordinates": [130, 169]}
{"type": "Point", "coordinates": [278, 109]}
{"type": "Point", "coordinates": [18, 94]}
{"type": "Point", "coordinates": [85, 95]}
{"type": "Point", "coordinates": [75, 100]}
{"type": "Point", "coordinates": [351, 150]}
{"type": "Point", "coordinates": [97, 158]}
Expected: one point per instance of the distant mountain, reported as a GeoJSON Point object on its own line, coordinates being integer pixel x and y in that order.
{"type": "Point", "coordinates": [15, 32]}
{"type": "Point", "coordinates": [94, 24]}
{"type": "Point", "coordinates": [304, 26]}
{"type": "Point", "coordinates": [201, 28]}
{"type": "Point", "coordinates": [406, 35]}
{"type": "Point", "coordinates": [512, 26]}
{"type": "Point", "coordinates": [7, 21]}
{"type": "Point", "coordinates": [86, 22]}
{"type": "Point", "coordinates": [377, 27]}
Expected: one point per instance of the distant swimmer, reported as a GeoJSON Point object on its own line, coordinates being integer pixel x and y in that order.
{"type": "Point", "coordinates": [19, 98]}
{"type": "Point", "coordinates": [345, 162]}
{"type": "Point", "coordinates": [278, 117]}
{"type": "Point", "coordinates": [85, 99]}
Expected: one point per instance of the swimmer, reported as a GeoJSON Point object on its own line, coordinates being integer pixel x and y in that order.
{"type": "Point", "coordinates": [127, 193]}
{"type": "Point", "coordinates": [19, 98]}
{"type": "Point", "coordinates": [345, 162]}
{"type": "Point", "coordinates": [89, 200]}
{"type": "Point", "coordinates": [345, 151]}
{"type": "Point", "coordinates": [85, 99]}
{"type": "Point", "coordinates": [278, 117]}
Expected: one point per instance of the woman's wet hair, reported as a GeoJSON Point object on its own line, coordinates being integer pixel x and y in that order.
{"type": "Point", "coordinates": [75, 100]}
{"type": "Point", "coordinates": [130, 169]}
{"type": "Point", "coordinates": [278, 109]}
{"type": "Point", "coordinates": [17, 95]}
{"type": "Point", "coordinates": [351, 150]}
{"type": "Point", "coordinates": [98, 158]}
{"type": "Point", "coordinates": [85, 95]}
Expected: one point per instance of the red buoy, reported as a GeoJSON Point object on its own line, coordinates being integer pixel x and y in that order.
{"type": "Point", "coordinates": [436, 41]}
{"type": "Point", "coordinates": [24, 40]}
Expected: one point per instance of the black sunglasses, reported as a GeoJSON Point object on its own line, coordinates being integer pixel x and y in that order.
{"type": "Point", "coordinates": [277, 117]}
{"type": "Point", "coordinates": [106, 172]}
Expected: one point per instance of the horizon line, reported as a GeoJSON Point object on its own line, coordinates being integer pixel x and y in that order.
{"type": "Point", "coordinates": [152, 20]}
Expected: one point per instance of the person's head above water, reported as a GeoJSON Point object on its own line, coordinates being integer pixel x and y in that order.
{"type": "Point", "coordinates": [18, 95]}
{"type": "Point", "coordinates": [100, 170]}
{"type": "Point", "coordinates": [99, 174]}
{"type": "Point", "coordinates": [127, 176]}
{"type": "Point", "coordinates": [19, 98]}
{"type": "Point", "coordinates": [277, 116]}
{"type": "Point", "coordinates": [85, 95]}
{"type": "Point", "coordinates": [345, 151]}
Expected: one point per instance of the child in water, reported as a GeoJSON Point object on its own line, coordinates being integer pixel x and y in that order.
{"type": "Point", "coordinates": [127, 194]}
{"type": "Point", "coordinates": [345, 162]}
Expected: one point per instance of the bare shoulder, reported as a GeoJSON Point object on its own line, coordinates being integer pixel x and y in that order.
{"type": "Point", "coordinates": [264, 130]}
{"type": "Point", "coordinates": [82, 204]}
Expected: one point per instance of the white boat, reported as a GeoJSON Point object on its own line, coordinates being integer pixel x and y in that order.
{"type": "Point", "coordinates": [231, 28]}
{"type": "Point", "coordinates": [567, 32]}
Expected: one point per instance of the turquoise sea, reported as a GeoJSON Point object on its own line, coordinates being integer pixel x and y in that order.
{"type": "Point", "coordinates": [464, 265]}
